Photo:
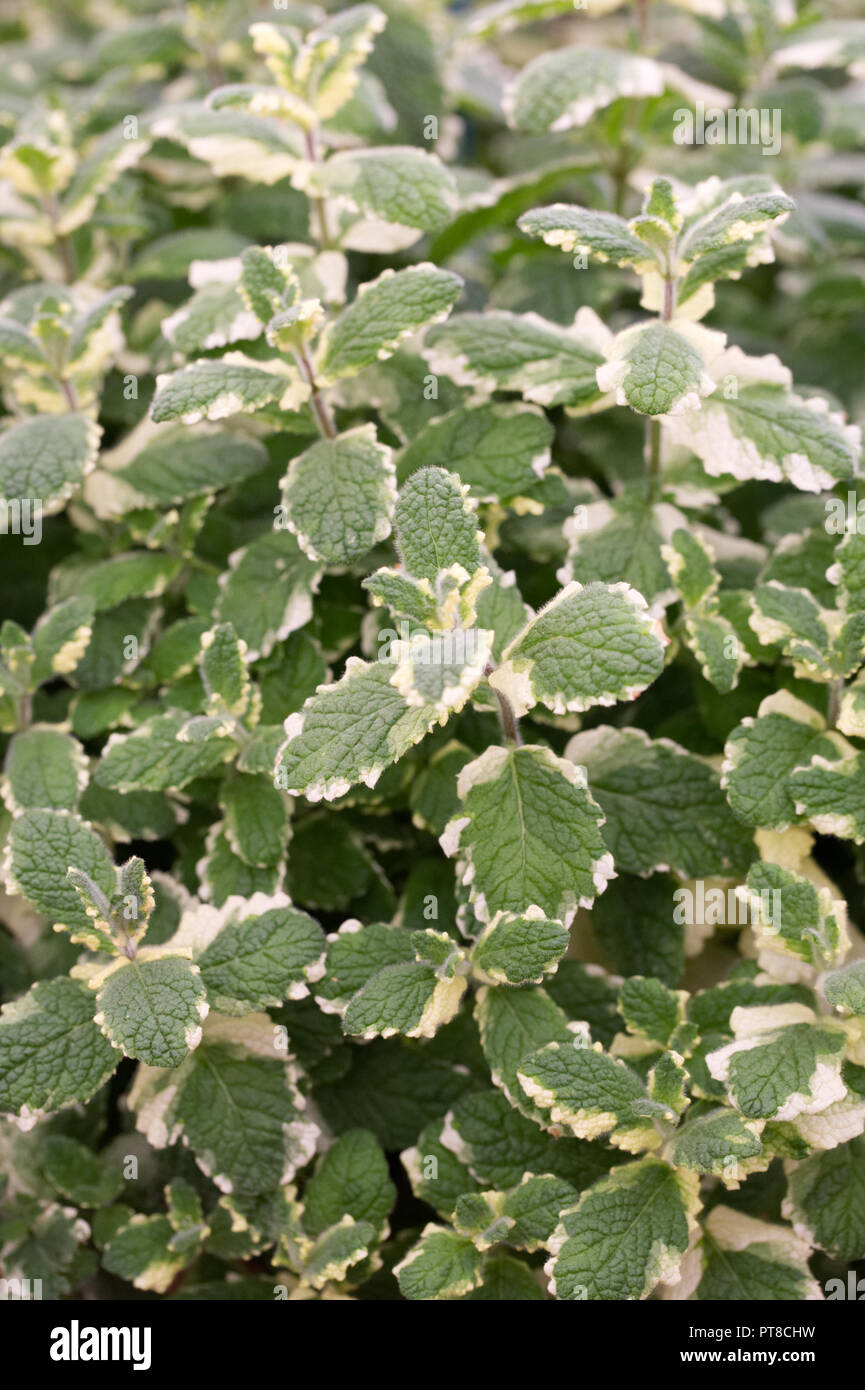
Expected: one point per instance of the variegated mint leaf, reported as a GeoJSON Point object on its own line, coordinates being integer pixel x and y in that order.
{"type": "Point", "coordinates": [603, 235]}
{"type": "Point", "coordinates": [738, 218]}
{"type": "Point", "coordinates": [354, 955]}
{"type": "Point", "coordinates": [761, 754]}
{"type": "Point", "coordinates": [739, 1257]}
{"type": "Point", "coordinates": [328, 1259]}
{"type": "Point", "coordinates": [52, 1054]}
{"type": "Point", "coordinates": [43, 767]}
{"type": "Point", "coordinates": [628, 1233]}
{"type": "Point", "coordinates": [651, 1011]}
{"type": "Point", "coordinates": [716, 646]}
{"type": "Point", "coordinates": [223, 671]}
{"type": "Point", "coordinates": [252, 952]}
{"type": "Point", "coordinates": [527, 834]}
{"type": "Point", "coordinates": [406, 597]}
{"type": "Point", "coordinates": [339, 496]}
{"type": "Point", "coordinates": [154, 759]}
{"type": "Point", "coordinates": [212, 389]}
{"type": "Point", "coordinates": [845, 988]}
{"type": "Point", "coordinates": [500, 450]}
{"type": "Point", "coordinates": [443, 1183]}
{"type": "Point", "coordinates": [848, 572]}
{"type": "Point", "coordinates": [565, 88]}
{"type": "Point", "coordinates": [588, 1093]}
{"type": "Point", "coordinates": [783, 1063]}
{"type": "Point", "coordinates": [233, 142]}
{"type": "Point", "coordinates": [339, 47]}
{"type": "Point", "coordinates": [692, 567]}
{"type": "Point", "coordinates": [141, 1252]}
{"type": "Point", "coordinates": [440, 670]}
{"type": "Point", "coordinates": [350, 732]}
{"type": "Point", "coordinates": [664, 806]}
{"type": "Point", "coordinates": [542, 361]}
{"type": "Point", "coordinates": [385, 311]}
{"type": "Point", "coordinates": [214, 317]}
{"type": "Point", "coordinates": [266, 593]}
{"type": "Point", "coordinates": [533, 1207]}
{"type": "Point", "coordinates": [267, 283]}
{"type": "Point", "coordinates": [594, 644]}
{"type": "Point", "coordinates": [41, 845]}
{"type": "Point", "coordinates": [821, 649]}
{"type": "Point", "coordinates": [831, 795]}
{"type": "Point", "coordinates": [826, 1201]}
{"type": "Point", "coordinates": [152, 1007]}
{"type": "Point", "coordinates": [795, 917]}
{"type": "Point", "coordinates": [61, 637]}
{"type": "Point", "coordinates": [256, 820]}
{"type": "Point", "coordinates": [620, 541]}
{"type": "Point", "coordinates": [183, 464]}
{"type": "Point", "coordinates": [519, 950]}
{"type": "Point", "coordinates": [48, 457]}
{"type": "Point", "coordinates": [514, 1024]}
{"type": "Point", "coordinates": [409, 998]}
{"type": "Point", "coordinates": [718, 1142]}
{"type": "Point", "coordinates": [397, 184]}
{"type": "Point", "coordinates": [352, 1178]}
{"type": "Point", "coordinates": [436, 525]}
{"type": "Point", "coordinates": [234, 1102]}
{"type": "Point", "coordinates": [755, 426]}
{"type": "Point", "coordinates": [660, 368]}
{"type": "Point", "coordinates": [442, 1265]}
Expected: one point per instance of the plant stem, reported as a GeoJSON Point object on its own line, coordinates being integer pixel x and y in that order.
{"type": "Point", "coordinates": [836, 694]}
{"type": "Point", "coordinates": [321, 409]}
{"type": "Point", "coordinates": [319, 204]}
{"type": "Point", "coordinates": [653, 458]}
{"type": "Point", "coordinates": [642, 8]}
{"type": "Point", "coordinates": [507, 716]}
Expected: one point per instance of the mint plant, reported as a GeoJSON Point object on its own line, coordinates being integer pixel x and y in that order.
{"type": "Point", "coordinates": [432, 677]}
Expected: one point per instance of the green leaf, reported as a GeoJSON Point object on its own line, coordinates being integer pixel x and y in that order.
{"type": "Point", "coordinates": [329, 1258]}
{"type": "Point", "coordinates": [339, 496]}
{"type": "Point", "coordinates": [593, 644]}
{"type": "Point", "coordinates": [234, 1103]}
{"type": "Point", "coordinates": [349, 732]}
{"type": "Point", "coordinates": [563, 89]}
{"type": "Point", "coordinates": [43, 767]}
{"type": "Point", "coordinates": [716, 1143]}
{"type": "Point", "coordinates": [501, 351]}
{"type": "Point", "coordinates": [352, 1178]}
{"type": "Point", "coordinates": [601, 234]}
{"type": "Point", "coordinates": [831, 795]}
{"type": "Point", "coordinates": [513, 1024]}
{"type": "Point", "coordinates": [659, 369]}
{"type": "Point", "coordinates": [589, 1093]}
{"type": "Point", "coordinates": [266, 593]}
{"type": "Point", "coordinates": [409, 998]}
{"type": "Point", "coordinates": [48, 457]}
{"type": "Point", "coordinates": [385, 311]}
{"type": "Point", "coordinates": [761, 754]}
{"type": "Point", "coordinates": [256, 822]}
{"type": "Point", "coordinates": [528, 835]}
{"type": "Point", "coordinates": [232, 142]}
{"type": "Point", "coordinates": [152, 1007]}
{"type": "Point", "coordinates": [141, 1253]}
{"type": "Point", "coordinates": [826, 1200]}
{"type": "Point", "coordinates": [744, 1259]}
{"type": "Point", "coordinates": [441, 1265]}
{"type": "Point", "coordinates": [42, 844]}
{"type": "Point", "coordinates": [61, 637]}
{"type": "Point", "coordinates": [399, 184]}
{"type": "Point", "coordinates": [781, 1072]}
{"type": "Point", "coordinates": [436, 525]}
{"type": "Point", "coordinates": [793, 916]}
{"type": "Point", "coordinates": [650, 1010]}
{"type": "Point", "coordinates": [51, 1052]}
{"type": "Point", "coordinates": [499, 450]}
{"type": "Point", "coordinates": [223, 671]}
{"type": "Point", "coordinates": [211, 390]}
{"type": "Point", "coordinates": [181, 465]}
{"type": "Point", "coordinates": [627, 1234]}
{"type": "Point", "coordinates": [78, 1174]}
{"type": "Point", "coordinates": [519, 950]}
{"type": "Point", "coordinates": [355, 955]}
{"type": "Point", "coordinates": [153, 759]}
{"type": "Point", "coordinates": [253, 953]}
{"type": "Point", "coordinates": [845, 988]}
{"type": "Point", "coordinates": [664, 807]}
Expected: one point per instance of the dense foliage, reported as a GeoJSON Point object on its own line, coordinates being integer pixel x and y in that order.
{"type": "Point", "coordinates": [432, 675]}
